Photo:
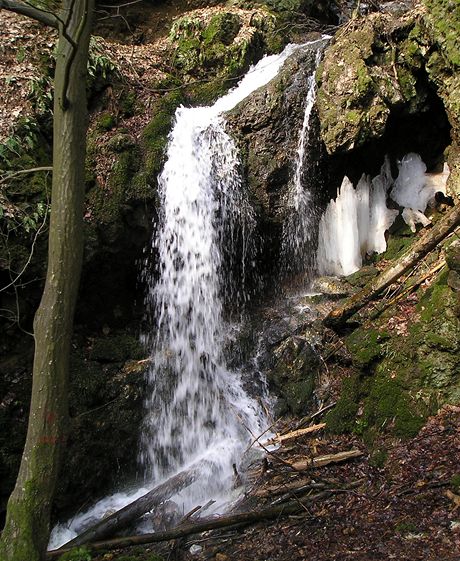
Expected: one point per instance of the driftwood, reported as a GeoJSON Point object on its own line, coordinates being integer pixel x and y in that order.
{"type": "Point", "coordinates": [270, 513]}
{"type": "Point", "coordinates": [122, 518]}
{"type": "Point", "coordinates": [279, 439]}
{"type": "Point", "coordinates": [419, 249]}
{"type": "Point", "coordinates": [320, 461]}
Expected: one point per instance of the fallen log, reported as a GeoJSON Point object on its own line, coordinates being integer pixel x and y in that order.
{"type": "Point", "coordinates": [279, 439]}
{"type": "Point", "coordinates": [123, 517]}
{"type": "Point", "coordinates": [320, 461]}
{"type": "Point", "coordinates": [419, 249]}
{"type": "Point", "coordinates": [270, 513]}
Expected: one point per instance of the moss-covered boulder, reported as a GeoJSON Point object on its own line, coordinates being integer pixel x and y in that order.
{"type": "Point", "coordinates": [223, 44]}
{"type": "Point", "coordinates": [407, 365]}
{"type": "Point", "coordinates": [371, 68]}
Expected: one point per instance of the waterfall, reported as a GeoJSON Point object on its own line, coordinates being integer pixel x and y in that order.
{"type": "Point", "coordinates": [198, 407]}
{"type": "Point", "coordinates": [299, 227]}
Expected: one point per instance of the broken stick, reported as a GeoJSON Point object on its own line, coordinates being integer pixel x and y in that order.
{"type": "Point", "coordinates": [320, 461]}
{"type": "Point", "coordinates": [278, 439]}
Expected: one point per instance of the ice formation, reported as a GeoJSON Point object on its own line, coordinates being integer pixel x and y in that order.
{"type": "Point", "coordinates": [355, 223]}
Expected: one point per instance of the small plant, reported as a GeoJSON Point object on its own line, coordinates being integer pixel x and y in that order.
{"type": "Point", "coordinates": [41, 95]}
{"type": "Point", "coordinates": [101, 68]}
{"type": "Point", "coordinates": [24, 136]}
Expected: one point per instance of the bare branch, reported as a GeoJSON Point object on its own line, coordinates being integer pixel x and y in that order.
{"type": "Point", "coordinates": [46, 18]}
{"type": "Point", "coordinates": [7, 176]}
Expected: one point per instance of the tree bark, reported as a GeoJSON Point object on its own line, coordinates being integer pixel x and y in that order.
{"type": "Point", "coordinates": [123, 517]}
{"type": "Point", "coordinates": [26, 532]}
{"type": "Point", "coordinates": [419, 249]}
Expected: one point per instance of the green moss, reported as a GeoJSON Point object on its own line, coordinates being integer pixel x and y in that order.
{"type": "Point", "coordinates": [396, 246]}
{"type": "Point", "coordinates": [406, 527]}
{"type": "Point", "coordinates": [106, 205]}
{"type": "Point", "coordinates": [344, 415]}
{"type": "Point", "coordinates": [455, 483]}
{"type": "Point", "coordinates": [443, 17]}
{"type": "Point", "coordinates": [378, 458]}
{"type": "Point", "coordinates": [298, 394]}
{"type": "Point", "coordinates": [364, 345]}
{"type": "Point", "coordinates": [363, 84]}
{"type": "Point", "coordinates": [77, 554]}
{"type": "Point", "coordinates": [388, 403]}
{"type": "Point", "coordinates": [155, 134]}
{"type": "Point", "coordinates": [207, 93]}
{"type": "Point", "coordinates": [222, 28]}
{"type": "Point", "coordinates": [127, 104]}
{"type": "Point", "coordinates": [407, 83]}
{"type": "Point", "coordinates": [106, 122]}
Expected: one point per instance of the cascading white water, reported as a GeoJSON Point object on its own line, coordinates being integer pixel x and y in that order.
{"type": "Point", "coordinates": [198, 408]}
{"type": "Point", "coordinates": [299, 227]}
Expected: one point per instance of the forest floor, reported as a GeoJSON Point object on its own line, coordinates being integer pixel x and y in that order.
{"type": "Point", "coordinates": [408, 509]}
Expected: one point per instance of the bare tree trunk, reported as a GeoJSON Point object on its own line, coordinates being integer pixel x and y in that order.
{"type": "Point", "coordinates": [26, 532]}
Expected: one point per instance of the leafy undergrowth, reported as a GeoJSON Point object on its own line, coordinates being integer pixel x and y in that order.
{"type": "Point", "coordinates": [403, 507]}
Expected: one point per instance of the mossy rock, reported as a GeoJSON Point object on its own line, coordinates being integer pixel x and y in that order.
{"type": "Point", "coordinates": [211, 48]}
{"type": "Point", "coordinates": [155, 134]}
{"type": "Point", "coordinates": [365, 346]}
{"type": "Point", "coordinates": [343, 417]}
{"type": "Point", "coordinates": [223, 28]}
{"type": "Point", "coordinates": [107, 205]}
{"type": "Point", "coordinates": [361, 277]}
{"type": "Point", "coordinates": [443, 18]}
{"type": "Point", "coordinates": [106, 122]}
{"type": "Point", "coordinates": [388, 404]}
{"type": "Point", "coordinates": [453, 256]}
{"type": "Point", "coordinates": [294, 374]}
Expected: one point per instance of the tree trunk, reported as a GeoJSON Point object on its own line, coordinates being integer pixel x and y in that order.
{"type": "Point", "coordinates": [417, 251]}
{"type": "Point", "coordinates": [26, 532]}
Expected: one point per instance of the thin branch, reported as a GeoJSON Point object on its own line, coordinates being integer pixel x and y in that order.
{"type": "Point", "coordinates": [7, 176]}
{"type": "Point", "coordinates": [37, 233]}
{"type": "Point", "coordinates": [46, 18]}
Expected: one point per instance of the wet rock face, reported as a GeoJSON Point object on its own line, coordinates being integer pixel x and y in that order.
{"type": "Point", "coordinates": [267, 127]}
{"type": "Point", "coordinates": [365, 76]}
{"type": "Point", "coordinates": [387, 83]}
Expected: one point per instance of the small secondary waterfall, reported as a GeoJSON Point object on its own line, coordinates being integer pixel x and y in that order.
{"type": "Point", "coordinates": [299, 228]}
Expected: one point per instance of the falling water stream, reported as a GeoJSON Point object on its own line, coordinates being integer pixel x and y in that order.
{"type": "Point", "coordinates": [198, 408]}
{"type": "Point", "coordinates": [299, 227]}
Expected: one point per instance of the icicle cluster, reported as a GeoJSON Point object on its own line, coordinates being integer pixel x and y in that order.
{"type": "Point", "coordinates": [355, 223]}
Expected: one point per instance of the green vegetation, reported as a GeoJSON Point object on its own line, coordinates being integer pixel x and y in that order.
{"type": "Point", "coordinates": [77, 554]}
{"type": "Point", "coordinates": [210, 48]}
{"type": "Point", "coordinates": [155, 134]}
